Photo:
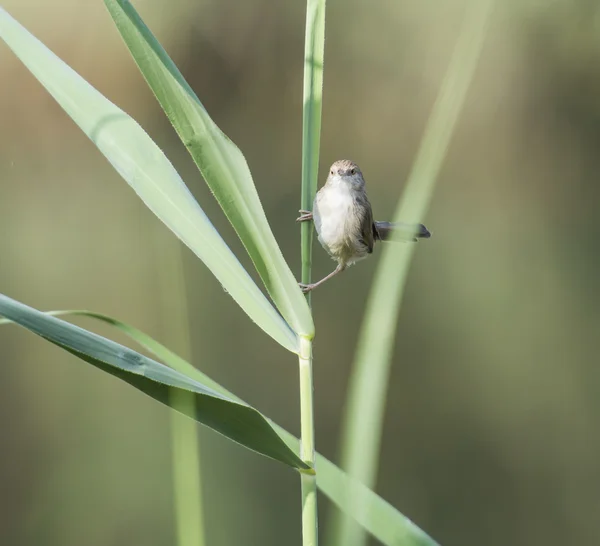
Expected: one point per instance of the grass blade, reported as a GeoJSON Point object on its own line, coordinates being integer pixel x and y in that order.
{"type": "Point", "coordinates": [377, 516]}
{"type": "Point", "coordinates": [226, 415]}
{"type": "Point", "coordinates": [146, 169]}
{"type": "Point", "coordinates": [362, 425]}
{"type": "Point", "coordinates": [221, 162]}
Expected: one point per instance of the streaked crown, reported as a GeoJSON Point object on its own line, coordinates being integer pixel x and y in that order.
{"type": "Point", "coordinates": [344, 167]}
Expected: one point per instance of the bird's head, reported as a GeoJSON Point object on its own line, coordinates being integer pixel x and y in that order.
{"type": "Point", "coordinates": [345, 171]}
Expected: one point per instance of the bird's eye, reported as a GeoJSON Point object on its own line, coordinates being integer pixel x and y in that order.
{"type": "Point", "coordinates": [332, 171]}
{"type": "Point", "coordinates": [353, 171]}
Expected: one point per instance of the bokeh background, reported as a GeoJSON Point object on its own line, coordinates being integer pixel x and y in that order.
{"type": "Point", "coordinates": [492, 428]}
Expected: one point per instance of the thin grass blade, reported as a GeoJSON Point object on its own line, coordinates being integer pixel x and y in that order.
{"type": "Point", "coordinates": [365, 407]}
{"type": "Point", "coordinates": [377, 516]}
{"type": "Point", "coordinates": [146, 169]}
{"type": "Point", "coordinates": [229, 416]}
{"type": "Point", "coordinates": [221, 162]}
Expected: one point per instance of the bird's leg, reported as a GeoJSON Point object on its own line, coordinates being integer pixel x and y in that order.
{"type": "Point", "coordinates": [305, 216]}
{"type": "Point", "coordinates": [306, 288]}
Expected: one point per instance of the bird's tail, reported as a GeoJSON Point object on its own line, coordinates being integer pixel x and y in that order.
{"type": "Point", "coordinates": [399, 231]}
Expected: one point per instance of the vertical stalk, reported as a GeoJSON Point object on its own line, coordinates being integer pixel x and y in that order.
{"type": "Point", "coordinates": [314, 48]}
{"type": "Point", "coordinates": [189, 520]}
{"type": "Point", "coordinates": [307, 446]}
{"type": "Point", "coordinates": [185, 452]}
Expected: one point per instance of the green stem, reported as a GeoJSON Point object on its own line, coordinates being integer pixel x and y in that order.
{"type": "Point", "coordinates": [187, 495]}
{"type": "Point", "coordinates": [185, 452]}
{"type": "Point", "coordinates": [307, 446]}
{"type": "Point", "coordinates": [314, 48]}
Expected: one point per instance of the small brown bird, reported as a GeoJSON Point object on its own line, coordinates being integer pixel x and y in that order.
{"type": "Point", "coordinates": [344, 220]}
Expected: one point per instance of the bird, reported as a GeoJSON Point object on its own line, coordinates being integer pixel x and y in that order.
{"type": "Point", "coordinates": [343, 219]}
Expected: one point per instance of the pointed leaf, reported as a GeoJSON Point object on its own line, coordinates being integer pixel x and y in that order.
{"type": "Point", "coordinates": [377, 516]}
{"type": "Point", "coordinates": [146, 169]}
{"type": "Point", "coordinates": [229, 416]}
{"type": "Point", "coordinates": [221, 162]}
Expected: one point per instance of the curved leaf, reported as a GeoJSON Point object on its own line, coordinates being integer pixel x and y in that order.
{"type": "Point", "coordinates": [145, 168]}
{"type": "Point", "coordinates": [376, 515]}
{"type": "Point", "coordinates": [221, 162]}
{"type": "Point", "coordinates": [227, 415]}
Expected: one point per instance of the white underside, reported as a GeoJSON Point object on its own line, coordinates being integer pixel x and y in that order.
{"type": "Point", "coordinates": [335, 218]}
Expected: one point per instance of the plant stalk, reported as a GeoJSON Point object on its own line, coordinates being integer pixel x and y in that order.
{"type": "Point", "coordinates": [314, 48]}
{"type": "Point", "coordinates": [307, 446]}
{"type": "Point", "coordinates": [185, 449]}
{"type": "Point", "coordinates": [187, 485]}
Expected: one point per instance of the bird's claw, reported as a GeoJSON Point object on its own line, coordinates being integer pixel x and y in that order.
{"type": "Point", "coordinates": [305, 216]}
{"type": "Point", "coordinates": [306, 288]}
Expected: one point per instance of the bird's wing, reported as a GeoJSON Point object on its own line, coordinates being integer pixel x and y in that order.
{"type": "Point", "coordinates": [367, 226]}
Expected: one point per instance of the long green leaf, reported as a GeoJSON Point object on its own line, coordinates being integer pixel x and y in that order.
{"type": "Point", "coordinates": [377, 516]}
{"type": "Point", "coordinates": [146, 169]}
{"type": "Point", "coordinates": [362, 425]}
{"type": "Point", "coordinates": [221, 162]}
{"type": "Point", "coordinates": [224, 414]}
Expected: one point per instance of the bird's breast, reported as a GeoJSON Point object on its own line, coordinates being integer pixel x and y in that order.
{"type": "Point", "coordinates": [335, 219]}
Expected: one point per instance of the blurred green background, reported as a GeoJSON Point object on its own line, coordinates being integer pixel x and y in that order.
{"type": "Point", "coordinates": [491, 434]}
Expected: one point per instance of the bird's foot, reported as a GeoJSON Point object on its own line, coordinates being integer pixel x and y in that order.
{"type": "Point", "coordinates": [306, 288]}
{"type": "Point", "coordinates": [305, 216]}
